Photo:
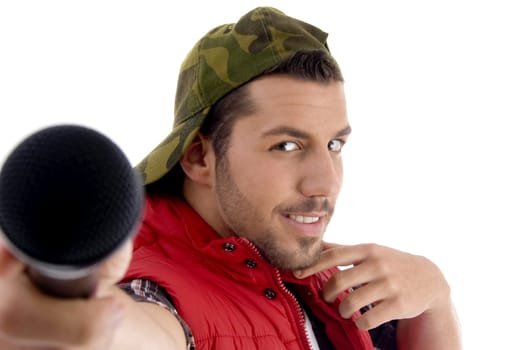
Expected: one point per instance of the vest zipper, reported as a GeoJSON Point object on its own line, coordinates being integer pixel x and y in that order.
{"type": "Point", "coordinates": [298, 311]}
{"type": "Point", "coordinates": [299, 315]}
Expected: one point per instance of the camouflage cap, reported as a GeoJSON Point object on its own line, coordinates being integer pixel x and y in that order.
{"type": "Point", "coordinates": [225, 58]}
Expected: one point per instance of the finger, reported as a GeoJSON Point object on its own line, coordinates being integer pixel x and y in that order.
{"type": "Point", "coordinates": [5, 344]}
{"type": "Point", "coordinates": [113, 269]}
{"type": "Point", "coordinates": [347, 279]}
{"type": "Point", "coordinates": [37, 319]}
{"type": "Point", "coordinates": [368, 295]}
{"type": "Point", "coordinates": [335, 255]}
{"type": "Point", "coordinates": [381, 313]}
{"type": "Point", "coordinates": [9, 265]}
{"type": "Point", "coordinates": [329, 245]}
{"type": "Point", "coordinates": [83, 326]}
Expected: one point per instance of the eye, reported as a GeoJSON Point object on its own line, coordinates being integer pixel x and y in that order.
{"type": "Point", "coordinates": [335, 145]}
{"type": "Point", "coordinates": [286, 146]}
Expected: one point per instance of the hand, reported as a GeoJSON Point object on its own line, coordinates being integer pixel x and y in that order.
{"type": "Point", "coordinates": [30, 319]}
{"type": "Point", "coordinates": [398, 285]}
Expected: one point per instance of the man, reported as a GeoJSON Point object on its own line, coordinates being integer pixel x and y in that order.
{"type": "Point", "coordinates": [230, 254]}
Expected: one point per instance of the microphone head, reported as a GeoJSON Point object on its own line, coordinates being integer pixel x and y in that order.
{"type": "Point", "coordinates": [68, 197]}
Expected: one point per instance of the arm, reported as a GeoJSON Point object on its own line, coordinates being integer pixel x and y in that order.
{"type": "Point", "coordinates": [147, 326]}
{"type": "Point", "coordinates": [111, 320]}
{"type": "Point", "coordinates": [434, 329]}
{"type": "Point", "coordinates": [400, 286]}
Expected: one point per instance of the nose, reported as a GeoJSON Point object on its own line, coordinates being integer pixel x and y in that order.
{"type": "Point", "coordinates": [322, 174]}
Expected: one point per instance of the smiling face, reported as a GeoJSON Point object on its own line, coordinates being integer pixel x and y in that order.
{"type": "Point", "coordinates": [279, 179]}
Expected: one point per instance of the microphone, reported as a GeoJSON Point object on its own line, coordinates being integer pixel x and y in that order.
{"type": "Point", "coordinates": [69, 198]}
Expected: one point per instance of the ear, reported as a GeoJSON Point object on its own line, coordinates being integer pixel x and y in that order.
{"type": "Point", "coordinates": [198, 160]}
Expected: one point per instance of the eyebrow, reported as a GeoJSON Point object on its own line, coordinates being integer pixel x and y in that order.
{"type": "Point", "coordinates": [293, 132]}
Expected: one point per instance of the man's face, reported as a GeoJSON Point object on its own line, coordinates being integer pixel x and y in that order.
{"type": "Point", "coordinates": [280, 178]}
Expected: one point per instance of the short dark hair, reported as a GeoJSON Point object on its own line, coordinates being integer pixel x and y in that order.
{"type": "Point", "coordinates": [311, 65]}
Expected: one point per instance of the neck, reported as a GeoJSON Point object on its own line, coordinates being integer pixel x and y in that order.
{"type": "Point", "coordinates": [204, 203]}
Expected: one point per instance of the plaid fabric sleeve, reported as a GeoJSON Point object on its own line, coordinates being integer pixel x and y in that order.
{"type": "Point", "coordinates": [143, 290]}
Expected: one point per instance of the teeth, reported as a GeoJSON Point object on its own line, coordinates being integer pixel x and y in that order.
{"type": "Point", "coordinates": [304, 219]}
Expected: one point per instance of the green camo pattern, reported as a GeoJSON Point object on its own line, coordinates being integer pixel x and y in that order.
{"type": "Point", "coordinates": [225, 58]}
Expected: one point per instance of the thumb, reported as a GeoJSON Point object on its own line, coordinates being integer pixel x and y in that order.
{"type": "Point", "coordinates": [113, 269]}
{"type": "Point", "coordinates": [9, 265]}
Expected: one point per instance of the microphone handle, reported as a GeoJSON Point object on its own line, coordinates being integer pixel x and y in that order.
{"type": "Point", "coordinates": [79, 287]}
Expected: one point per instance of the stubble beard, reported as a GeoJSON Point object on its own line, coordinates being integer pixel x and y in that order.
{"type": "Point", "coordinates": [243, 220]}
{"type": "Point", "coordinates": [306, 255]}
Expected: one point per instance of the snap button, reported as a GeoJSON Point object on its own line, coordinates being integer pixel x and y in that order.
{"type": "Point", "coordinates": [270, 293]}
{"type": "Point", "coordinates": [229, 247]}
{"type": "Point", "coordinates": [250, 263]}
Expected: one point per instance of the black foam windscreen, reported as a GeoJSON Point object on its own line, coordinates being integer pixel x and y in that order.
{"type": "Point", "coordinates": [68, 196]}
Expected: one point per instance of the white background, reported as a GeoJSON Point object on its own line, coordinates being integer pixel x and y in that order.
{"type": "Point", "coordinates": [436, 98]}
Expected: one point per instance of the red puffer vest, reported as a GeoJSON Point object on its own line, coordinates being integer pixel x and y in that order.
{"type": "Point", "coordinates": [229, 295]}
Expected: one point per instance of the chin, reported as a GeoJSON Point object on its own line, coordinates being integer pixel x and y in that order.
{"type": "Point", "coordinates": [296, 260]}
{"type": "Point", "coordinates": [304, 253]}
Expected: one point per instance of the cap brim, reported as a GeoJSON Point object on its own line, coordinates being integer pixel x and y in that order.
{"type": "Point", "coordinates": [166, 155]}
